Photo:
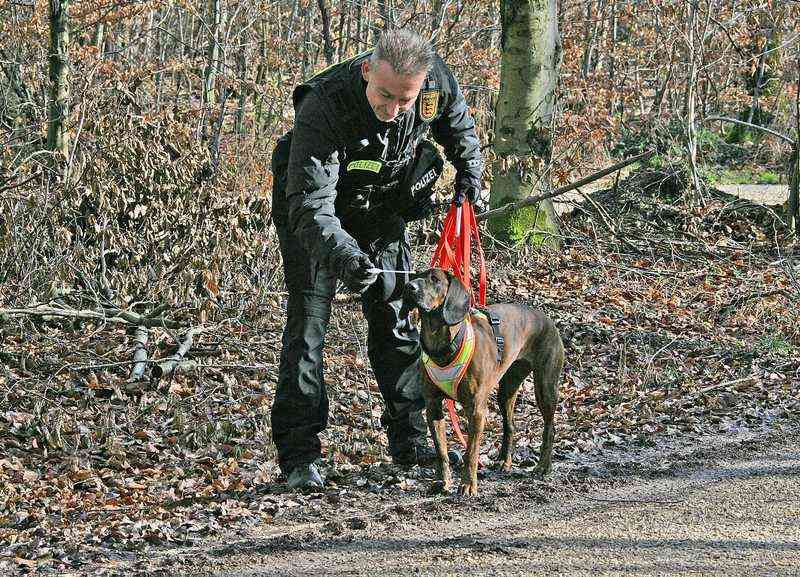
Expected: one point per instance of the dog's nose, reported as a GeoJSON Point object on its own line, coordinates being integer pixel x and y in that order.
{"type": "Point", "coordinates": [412, 288]}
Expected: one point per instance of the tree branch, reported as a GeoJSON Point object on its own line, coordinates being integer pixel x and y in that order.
{"type": "Point", "coordinates": [783, 137]}
{"type": "Point", "coordinates": [559, 191]}
{"type": "Point", "coordinates": [109, 315]}
{"type": "Point", "coordinates": [140, 354]}
{"type": "Point", "coordinates": [168, 365]}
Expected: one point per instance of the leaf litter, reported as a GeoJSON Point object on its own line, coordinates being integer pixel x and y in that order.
{"type": "Point", "coordinates": [680, 319]}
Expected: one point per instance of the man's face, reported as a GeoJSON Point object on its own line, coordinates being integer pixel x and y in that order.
{"type": "Point", "coordinates": [390, 94]}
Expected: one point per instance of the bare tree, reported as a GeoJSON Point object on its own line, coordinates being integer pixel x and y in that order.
{"type": "Point", "coordinates": [58, 109]}
{"type": "Point", "coordinates": [325, 15]}
{"type": "Point", "coordinates": [214, 51]}
{"type": "Point", "coordinates": [523, 141]}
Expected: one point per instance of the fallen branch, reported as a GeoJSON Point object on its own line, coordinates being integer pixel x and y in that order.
{"type": "Point", "coordinates": [139, 354]}
{"type": "Point", "coordinates": [511, 206]}
{"type": "Point", "coordinates": [168, 366]}
{"type": "Point", "coordinates": [108, 315]}
{"type": "Point", "coordinates": [724, 384]}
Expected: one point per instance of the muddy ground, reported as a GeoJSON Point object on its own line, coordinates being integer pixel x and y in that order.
{"type": "Point", "coordinates": [689, 506]}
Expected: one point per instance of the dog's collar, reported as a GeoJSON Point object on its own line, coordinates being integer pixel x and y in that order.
{"type": "Point", "coordinates": [448, 377]}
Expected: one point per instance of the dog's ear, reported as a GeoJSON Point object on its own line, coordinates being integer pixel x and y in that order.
{"type": "Point", "coordinates": [456, 302]}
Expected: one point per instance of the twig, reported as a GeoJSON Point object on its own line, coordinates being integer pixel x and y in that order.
{"type": "Point", "coordinates": [17, 184]}
{"type": "Point", "coordinates": [724, 384]}
{"type": "Point", "coordinates": [756, 295]}
{"type": "Point", "coordinates": [611, 228]}
{"type": "Point", "coordinates": [647, 370]}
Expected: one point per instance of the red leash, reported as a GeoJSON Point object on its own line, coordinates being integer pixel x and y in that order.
{"type": "Point", "coordinates": [454, 253]}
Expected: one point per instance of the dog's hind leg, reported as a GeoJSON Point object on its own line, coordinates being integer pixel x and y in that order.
{"type": "Point", "coordinates": [506, 400]}
{"type": "Point", "coordinates": [547, 374]}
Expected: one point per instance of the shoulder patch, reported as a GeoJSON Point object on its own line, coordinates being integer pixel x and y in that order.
{"type": "Point", "coordinates": [370, 165]}
{"type": "Point", "coordinates": [428, 104]}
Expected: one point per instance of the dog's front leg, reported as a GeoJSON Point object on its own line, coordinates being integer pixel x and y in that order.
{"type": "Point", "coordinates": [436, 424]}
{"type": "Point", "coordinates": [469, 474]}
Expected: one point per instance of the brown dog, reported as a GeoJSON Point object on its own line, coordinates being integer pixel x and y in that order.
{"type": "Point", "coordinates": [532, 345]}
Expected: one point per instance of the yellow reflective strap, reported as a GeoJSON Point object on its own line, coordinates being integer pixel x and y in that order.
{"type": "Point", "coordinates": [448, 378]}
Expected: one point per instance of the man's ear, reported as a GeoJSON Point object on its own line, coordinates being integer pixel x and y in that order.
{"type": "Point", "coordinates": [365, 70]}
{"type": "Point", "coordinates": [456, 302]}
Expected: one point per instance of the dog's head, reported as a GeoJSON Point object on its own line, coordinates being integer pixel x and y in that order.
{"type": "Point", "coordinates": [437, 292]}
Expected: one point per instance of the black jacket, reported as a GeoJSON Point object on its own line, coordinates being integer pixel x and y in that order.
{"type": "Point", "coordinates": [342, 155]}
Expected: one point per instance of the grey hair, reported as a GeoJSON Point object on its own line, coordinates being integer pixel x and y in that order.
{"type": "Point", "coordinates": [405, 51]}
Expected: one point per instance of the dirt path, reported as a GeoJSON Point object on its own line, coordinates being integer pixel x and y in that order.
{"type": "Point", "coordinates": [725, 506]}
{"type": "Point", "coordinates": [768, 194]}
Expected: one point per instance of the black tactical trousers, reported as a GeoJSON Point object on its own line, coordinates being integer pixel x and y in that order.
{"type": "Point", "coordinates": [300, 408]}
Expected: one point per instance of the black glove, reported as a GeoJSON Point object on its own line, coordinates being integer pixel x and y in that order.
{"type": "Point", "coordinates": [473, 195]}
{"type": "Point", "coordinates": [356, 274]}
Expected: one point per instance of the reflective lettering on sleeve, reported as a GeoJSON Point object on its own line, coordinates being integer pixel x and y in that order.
{"type": "Point", "coordinates": [424, 181]}
{"type": "Point", "coordinates": [369, 165]}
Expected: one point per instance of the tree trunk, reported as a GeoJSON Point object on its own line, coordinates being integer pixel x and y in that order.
{"type": "Point", "coordinates": [612, 60]}
{"type": "Point", "coordinates": [214, 51]}
{"type": "Point", "coordinates": [58, 110]}
{"type": "Point", "coordinates": [161, 49]}
{"type": "Point", "coordinates": [658, 99]}
{"type": "Point", "coordinates": [308, 18]}
{"type": "Point", "coordinates": [793, 202]}
{"type": "Point", "coordinates": [344, 33]}
{"type": "Point", "coordinates": [325, 15]}
{"type": "Point", "coordinates": [437, 18]}
{"type": "Point", "coordinates": [590, 34]}
{"type": "Point", "coordinates": [386, 8]}
{"type": "Point", "coordinates": [242, 104]}
{"type": "Point", "coordinates": [99, 40]}
{"type": "Point", "coordinates": [695, 50]}
{"type": "Point", "coordinates": [531, 57]}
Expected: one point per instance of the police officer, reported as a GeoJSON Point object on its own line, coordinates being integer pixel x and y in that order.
{"type": "Point", "coordinates": [353, 170]}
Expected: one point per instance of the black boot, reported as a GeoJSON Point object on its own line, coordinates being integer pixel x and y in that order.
{"type": "Point", "coordinates": [424, 456]}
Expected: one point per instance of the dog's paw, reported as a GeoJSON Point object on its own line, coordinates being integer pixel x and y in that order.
{"type": "Point", "coordinates": [468, 489]}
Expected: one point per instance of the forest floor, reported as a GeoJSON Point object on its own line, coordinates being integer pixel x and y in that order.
{"type": "Point", "coordinates": [716, 505]}
{"type": "Point", "coordinates": [682, 329]}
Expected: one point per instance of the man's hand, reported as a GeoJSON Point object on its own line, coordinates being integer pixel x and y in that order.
{"type": "Point", "coordinates": [357, 273]}
{"type": "Point", "coordinates": [473, 195]}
